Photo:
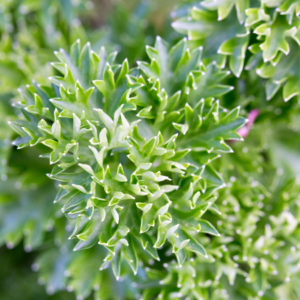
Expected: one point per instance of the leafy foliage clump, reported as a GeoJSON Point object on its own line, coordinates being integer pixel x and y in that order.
{"type": "Point", "coordinates": [156, 194]}
{"type": "Point", "coordinates": [269, 30]}
{"type": "Point", "coordinates": [132, 182]}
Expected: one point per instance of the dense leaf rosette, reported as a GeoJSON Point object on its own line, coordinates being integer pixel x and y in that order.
{"type": "Point", "coordinates": [133, 155]}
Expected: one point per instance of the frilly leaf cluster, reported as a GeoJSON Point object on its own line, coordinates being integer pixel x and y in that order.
{"type": "Point", "coordinates": [132, 149]}
{"type": "Point", "coordinates": [262, 36]}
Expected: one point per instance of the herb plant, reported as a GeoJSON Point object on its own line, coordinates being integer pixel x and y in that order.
{"type": "Point", "coordinates": [175, 176]}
